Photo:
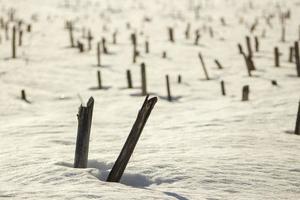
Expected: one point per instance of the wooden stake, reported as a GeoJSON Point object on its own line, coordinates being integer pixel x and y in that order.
{"type": "Point", "coordinates": [240, 49]}
{"type": "Point", "coordinates": [20, 37]}
{"type": "Point", "coordinates": [203, 66]}
{"type": "Point", "coordinates": [276, 56]}
{"type": "Point", "coordinates": [119, 167]}
{"type": "Point", "coordinates": [171, 34]}
{"type": "Point", "coordinates": [218, 64]}
{"type": "Point", "coordinates": [248, 41]}
{"type": "Point", "coordinates": [129, 81]}
{"type": "Point", "coordinates": [297, 128]}
{"type": "Point", "coordinates": [187, 31]}
{"type": "Point", "coordinates": [256, 44]}
{"type": "Point", "coordinates": [98, 54]}
{"type": "Point", "coordinates": [147, 47]}
{"type": "Point", "coordinates": [83, 134]}
{"type": "Point", "coordinates": [70, 33]}
{"type": "Point", "coordinates": [245, 96]}
{"type": "Point", "coordinates": [144, 81]}
{"type": "Point", "coordinates": [223, 88]}
{"type": "Point", "coordinates": [90, 38]}
{"type": "Point", "coordinates": [104, 48]}
{"type": "Point", "coordinates": [291, 54]}
{"type": "Point", "coordinates": [297, 59]}
{"type": "Point", "coordinates": [99, 80]}
{"type": "Point", "coordinates": [179, 79]}
{"type": "Point", "coordinates": [168, 88]}
{"type": "Point", "coordinates": [14, 43]}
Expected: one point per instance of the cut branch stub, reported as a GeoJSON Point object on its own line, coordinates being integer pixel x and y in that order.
{"type": "Point", "coordinates": [119, 167]}
{"type": "Point", "coordinates": [83, 134]}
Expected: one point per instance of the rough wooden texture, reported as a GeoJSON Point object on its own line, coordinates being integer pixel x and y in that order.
{"type": "Point", "coordinates": [119, 167]}
{"type": "Point", "coordinates": [203, 66]}
{"type": "Point", "coordinates": [83, 134]}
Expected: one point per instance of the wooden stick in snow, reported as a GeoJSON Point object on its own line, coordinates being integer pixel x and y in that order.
{"type": "Point", "coordinates": [171, 34]}
{"type": "Point", "coordinates": [297, 128]}
{"type": "Point", "coordinates": [119, 167]}
{"type": "Point", "coordinates": [291, 52]}
{"type": "Point", "coordinates": [223, 88]}
{"type": "Point", "coordinates": [245, 93]}
{"type": "Point", "coordinates": [143, 79]}
{"type": "Point", "coordinates": [276, 56]}
{"type": "Point", "coordinates": [99, 80]}
{"type": "Point", "coordinates": [98, 54]}
{"type": "Point", "coordinates": [218, 64]}
{"type": "Point", "coordinates": [203, 66]}
{"type": "Point", "coordinates": [14, 47]}
{"type": "Point", "coordinates": [168, 88]}
{"type": "Point", "coordinates": [297, 59]}
{"type": "Point", "coordinates": [70, 34]}
{"type": "Point", "coordinates": [83, 134]}
{"type": "Point", "coordinates": [129, 80]}
{"type": "Point", "coordinates": [256, 44]}
{"type": "Point", "coordinates": [20, 37]}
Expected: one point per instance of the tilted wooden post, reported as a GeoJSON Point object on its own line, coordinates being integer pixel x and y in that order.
{"type": "Point", "coordinates": [99, 80]}
{"type": "Point", "coordinates": [14, 53]}
{"type": "Point", "coordinates": [203, 66]}
{"type": "Point", "coordinates": [218, 64]}
{"type": "Point", "coordinates": [84, 116]}
{"type": "Point", "coordinates": [119, 167]}
{"type": "Point", "coordinates": [168, 88]}
{"type": "Point", "coordinates": [245, 93]}
{"type": "Point", "coordinates": [223, 88]}
{"type": "Point", "coordinates": [276, 57]}
{"type": "Point", "coordinates": [297, 128]}
{"type": "Point", "coordinates": [98, 54]}
{"type": "Point", "coordinates": [129, 81]}
{"type": "Point", "coordinates": [247, 64]}
{"type": "Point", "coordinates": [143, 78]}
{"type": "Point", "coordinates": [297, 59]}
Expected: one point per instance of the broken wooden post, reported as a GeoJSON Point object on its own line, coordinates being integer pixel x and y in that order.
{"type": "Point", "coordinates": [168, 88]}
{"type": "Point", "coordinates": [291, 52]}
{"type": "Point", "coordinates": [14, 54]}
{"type": "Point", "coordinates": [119, 167]}
{"type": "Point", "coordinates": [171, 34]}
{"type": "Point", "coordinates": [223, 88]}
{"type": "Point", "coordinates": [297, 128]}
{"type": "Point", "coordinates": [20, 37]}
{"type": "Point", "coordinates": [276, 57]}
{"type": "Point", "coordinates": [84, 116]}
{"type": "Point", "coordinates": [203, 66]}
{"type": "Point", "coordinates": [245, 95]}
{"type": "Point", "coordinates": [99, 80]}
{"type": "Point", "coordinates": [143, 78]}
{"type": "Point", "coordinates": [218, 64]}
{"type": "Point", "coordinates": [70, 28]}
{"type": "Point", "coordinates": [256, 44]}
{"type": "Point", "coordinates": [297, 59]}
{"type": "Point", "coordinates": [129, 80]}
{"type": "Point", "coordinates": [98, 54]}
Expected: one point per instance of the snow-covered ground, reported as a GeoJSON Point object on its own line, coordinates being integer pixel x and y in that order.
{"type": "Point", "coordinates": [201, 146]}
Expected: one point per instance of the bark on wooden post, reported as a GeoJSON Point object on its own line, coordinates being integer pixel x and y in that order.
{"type": "Point", "coordinates": [223, 88]}
{"type": "Point", "coordinates": [203, 66]}
{"type": "Point", "coordinates": [297, 128]}
{"type": "Point", "coordinates": [143, 78]}
{"type": "Point", "coordinates": [99, 80]}
{"type": "Point", "coordinates": [276, 56]}
{"type": "Point", "coordinates": [98, 54]}
{"type": "Point", "coordinates": [84, 116]}
{"type": "Point", "coordinates": [245, 93]}
{"type": "Point", "coordinates": [119, 167]}
{"type": "Point", "coordinates": [248, 41]}
{"type": "Point", "coordinates": [129, 80]}
{"type": "Point", "coordinates": [297, 59]}
{"type": "Point", "coordinates": [14, 50]}
{"type": "Point", "coordinates": [168, 88]}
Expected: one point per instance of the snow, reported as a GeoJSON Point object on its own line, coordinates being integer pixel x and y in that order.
{"type": "Point", "coordinates": [201, 146]}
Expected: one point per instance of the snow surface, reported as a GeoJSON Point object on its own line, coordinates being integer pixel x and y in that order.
{"type": "Point", "coordinates": [201, 146]}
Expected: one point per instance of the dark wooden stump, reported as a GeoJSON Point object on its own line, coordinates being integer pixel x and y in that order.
{"type": "Point", "coordinates": [84, 116]}
{"type": "Point", "coordinates": [119, 167]}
